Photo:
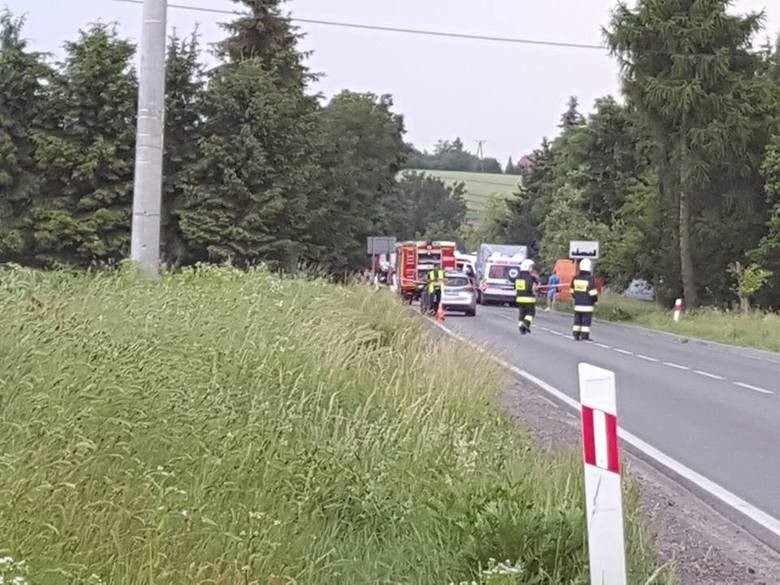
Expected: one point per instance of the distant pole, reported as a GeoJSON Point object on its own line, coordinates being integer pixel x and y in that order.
{"type": "Point", "coordinates": [480, 154]}
{"type": "Point", "coordinates": [147, 192]}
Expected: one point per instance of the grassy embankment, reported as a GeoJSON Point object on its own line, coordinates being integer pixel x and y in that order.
{"type": "Point", "coordinates": [222, 427]}
{"type": "Point", "coordinates": [757, 329]}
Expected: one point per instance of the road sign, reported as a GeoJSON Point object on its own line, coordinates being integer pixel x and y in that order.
{"type": "Point", "coordinates": [381, 245]}
{"type": "Point", "coordinates": [603, 495]}
{"type": "Point", "coordinates": [579, 249]}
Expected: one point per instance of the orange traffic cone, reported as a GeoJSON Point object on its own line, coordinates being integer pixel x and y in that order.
{"type": "Point", "coordinates": [440, 312]}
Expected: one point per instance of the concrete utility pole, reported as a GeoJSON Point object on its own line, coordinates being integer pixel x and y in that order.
{"type": "Point", "coordinates": [147, 193]}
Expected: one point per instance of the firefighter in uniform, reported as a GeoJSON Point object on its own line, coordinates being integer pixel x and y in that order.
{"type": "Point", "coordinates": [585, 295]}
{"type": "Point", "coordinates": [435, 283]}
{"type": "Point", "coordinates": [525, 289]}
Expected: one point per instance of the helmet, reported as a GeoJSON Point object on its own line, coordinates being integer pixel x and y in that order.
{"type": "Point", "coordinates": [586, 265]}
{"type": "Point", "coordinates": [526, 265]}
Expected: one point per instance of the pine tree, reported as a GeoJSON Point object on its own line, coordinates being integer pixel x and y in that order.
{"type": "Point", "coordinates": [87, 166]}
{"type": "Point", "coordinates": [689, 72]}
{"type": "Point", "coordinates": [572, 117]}
{"type": "Point", "coordinates": [510, 167]}
{"type": "Point", "coordinates": [246, 194]}
{"type": "Point", "coordinates": [24, 107]}
{"type": "Point", "coordinates": [184, 94]}
{"type": "Point", "coordinates": [265, 33]}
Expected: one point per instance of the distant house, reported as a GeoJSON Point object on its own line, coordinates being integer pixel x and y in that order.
{"type": "Point", "coordinates": [526, 162]}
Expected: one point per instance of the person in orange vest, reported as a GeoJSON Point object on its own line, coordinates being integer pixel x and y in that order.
{"type": "Point", "coordinates": [585, 296]}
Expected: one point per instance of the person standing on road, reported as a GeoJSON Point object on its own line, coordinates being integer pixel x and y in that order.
{"type": "Point", "coordinates": [552, 290]}
{"type": "Point", "coordinates": [585, 296]}
{"type": "Point", "coordinates": [435, 284]}
{"type": "Point", "coordinates": [525, 289]}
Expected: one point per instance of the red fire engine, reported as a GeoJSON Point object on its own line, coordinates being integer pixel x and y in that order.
{"type": "Point", "coordinates": [413, 261]}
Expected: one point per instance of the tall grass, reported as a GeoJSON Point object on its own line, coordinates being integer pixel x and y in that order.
{"type": "Point", "coordinates": [228, 427]}
{"type": "Point", "coordinates": [756, 329]}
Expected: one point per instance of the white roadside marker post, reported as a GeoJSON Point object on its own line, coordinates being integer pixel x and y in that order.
{"type": "Point", "coordinates": [603, 493]}
{"type": "Point", "coordinates": [677, 310]}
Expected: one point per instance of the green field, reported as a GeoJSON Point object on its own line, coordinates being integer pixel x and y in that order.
{"type": "Point", "coordinates": [227, 427]}
{"type": "Point", "coordinates": [480, 187]}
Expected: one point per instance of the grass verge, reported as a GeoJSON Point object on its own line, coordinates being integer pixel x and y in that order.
{"type": "Point", "coordinates": [756, 329]}
{"type": "Point", "coordinates": [225, 427]}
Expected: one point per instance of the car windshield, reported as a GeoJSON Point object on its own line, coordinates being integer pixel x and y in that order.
{"type": "Point", "coordinates": [457, 281]}
{"type": "Point", "coordinates": [500, 271]}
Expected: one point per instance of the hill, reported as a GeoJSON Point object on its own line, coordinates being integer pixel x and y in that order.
{"type": "Point", "coordinates": [480, 187]}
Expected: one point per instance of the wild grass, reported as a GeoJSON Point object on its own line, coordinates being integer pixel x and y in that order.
{"type": "Point", "coordinates": [755, 329]}
{"type": "Point", "coordinates": [227, 427]}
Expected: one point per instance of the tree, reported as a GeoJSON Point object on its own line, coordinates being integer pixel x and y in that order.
{"type": "Point", "coordinates": [361, 154]}
{"type": "Point", "coordinates": [246, 195]}
{"type": "Point", "coordinates": [688, 71]}
{"type": "Point", "coordinates": [83, 215]}
{"type": "Point", "coordinates": [266, 34]}
{"type": "Point", "coordinates": [430, 207]}
{"type": "Point", "coordinates": [183, 113]}
{"type": "Point", "coordinates": [24, 107]}
{"type": "Point", "coordinates": [571, 117]}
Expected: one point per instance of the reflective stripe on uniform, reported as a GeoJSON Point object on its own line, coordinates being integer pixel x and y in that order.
{"type": "Point", "coordinates": [585, 329]}
{"type": "Point", "coordinates": [526, 300]}
{"type": "Point", "coordinates": [583, 308]}
{"type": "Point", "coordinates": [576, 329]}
{"type": "Point", "coordinates": [593, 292]}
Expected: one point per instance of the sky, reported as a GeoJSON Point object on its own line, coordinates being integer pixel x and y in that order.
{"type": "Point", "coordinates": [508, 95]}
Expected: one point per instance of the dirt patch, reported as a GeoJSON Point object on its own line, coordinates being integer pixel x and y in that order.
{"type": "Point", "coordinates": [705, 547]}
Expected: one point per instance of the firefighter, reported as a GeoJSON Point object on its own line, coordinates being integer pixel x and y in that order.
{"type": "Point", "coordinates": [585, 296]}
{"type": "Point", "coordinates": [525, 289]}
{"type": "Point", "coordinates": [435, 283]}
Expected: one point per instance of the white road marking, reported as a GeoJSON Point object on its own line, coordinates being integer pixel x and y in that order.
{"type": "Point", "coordinates": [601, 345]}
{"type": "Point", "coordinates": [728, 498]}
{"type": "Point", "coordinates": [647, 358]}
{"type": "Point", "coordinates": [708, 375]}
{"type": "Point", "coordinates": [676, 366]}
{"type": "Point", "coordinates": [751, 387]}
{"type": "Point", "coordinates": [623, 351]}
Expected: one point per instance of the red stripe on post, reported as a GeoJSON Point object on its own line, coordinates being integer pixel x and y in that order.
{"type": "Point", "coordinates": [588, 437]}
{"type": "Point", "coordinates": [613, 456]}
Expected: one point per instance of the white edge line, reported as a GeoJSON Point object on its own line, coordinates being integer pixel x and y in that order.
{"type": "Point", "coordinates": [708, 375]}
{"type": "Point", "coordinates": [756, 388]}
{"type": "Point", "coordinates": [730, 499]}
{"type": "Point", "coordinates": [676, 366]}
{"type": "Point", "coordinates": [647, 358]}
{"type": "Point", "coordinates": [623, 351]}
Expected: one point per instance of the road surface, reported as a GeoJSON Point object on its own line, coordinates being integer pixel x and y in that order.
{"type": "Point", "coordinates": [715, 409]}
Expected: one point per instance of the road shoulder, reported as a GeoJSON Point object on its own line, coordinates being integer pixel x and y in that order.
{"type": "Point", "coordinates": [706, 548]}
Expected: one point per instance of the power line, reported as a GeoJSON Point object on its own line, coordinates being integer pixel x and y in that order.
{"type": "Point", "coordinates": [398, 30]}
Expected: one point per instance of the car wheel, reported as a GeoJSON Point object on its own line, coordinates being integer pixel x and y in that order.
{"type": "Point", "coordinates": [471, 313]}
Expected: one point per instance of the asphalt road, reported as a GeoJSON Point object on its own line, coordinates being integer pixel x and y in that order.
{"type": "Point", "coordinates": [713, 408]}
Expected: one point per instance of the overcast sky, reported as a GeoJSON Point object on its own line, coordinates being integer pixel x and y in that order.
{"type": "Point", "coordinates": [507, 94]}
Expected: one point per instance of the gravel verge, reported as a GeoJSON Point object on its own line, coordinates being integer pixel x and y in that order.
{"type": "Point", "coordinates": [705, 546]}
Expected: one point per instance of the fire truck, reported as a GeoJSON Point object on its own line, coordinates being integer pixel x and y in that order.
{"type": "Point", "coordinates": [413, 261]}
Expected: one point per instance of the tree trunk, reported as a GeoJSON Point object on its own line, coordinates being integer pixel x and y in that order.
{"type": "Point", "coordinates": [686, 257]}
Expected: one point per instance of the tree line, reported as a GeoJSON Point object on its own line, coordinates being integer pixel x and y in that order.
{"type": "Point", "coordinates": [256, 168]}
{"type": "Point", "coordinates": [681, 181]}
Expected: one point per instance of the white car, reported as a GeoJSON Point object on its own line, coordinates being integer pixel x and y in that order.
{"type": "Point", "coordinates": [459, 294]}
